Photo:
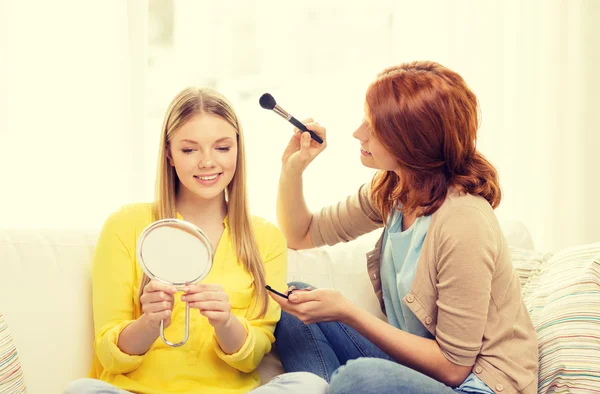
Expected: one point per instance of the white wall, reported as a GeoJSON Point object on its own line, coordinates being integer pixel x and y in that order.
{"type": "Point", "coordinates": [80, 113]}
{"type": "Point", "coordinates": [66, 122]}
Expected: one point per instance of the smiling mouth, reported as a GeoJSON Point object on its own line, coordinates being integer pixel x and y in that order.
{"type": "Point", "coordinates": [365, 152]}
{"type": "Point", "coordinates": [207, 177]}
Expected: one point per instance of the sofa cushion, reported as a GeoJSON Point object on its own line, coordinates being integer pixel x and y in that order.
{"type": "Point", "coordinates": [11, 375]}
{"type": "Point", "coordinates": [563, 299]}
{"type": "Point", "coordinates": [527, 262]}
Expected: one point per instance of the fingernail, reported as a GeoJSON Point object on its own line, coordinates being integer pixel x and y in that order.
{"type": "Point", "coordinates": [293, 297]}
{"type": "Point", "coordinates": [186, 289]}
{"type": "Point", "coordinates": [183, 298]}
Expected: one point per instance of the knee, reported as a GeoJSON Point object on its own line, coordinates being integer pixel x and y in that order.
{"type": "Point", "coordinates": [81, 386]}
{"type": "Point", "coordinates": [300, 285]}
{"type": "Point", "coordinates": [362, 375]}
{"type": "Point", "coordinates": [307, 382]}
{"type": "Point", "coordinates": [288, 325]}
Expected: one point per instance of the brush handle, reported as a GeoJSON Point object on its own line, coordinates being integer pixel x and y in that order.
{"type": "Point", "coordinates": [301, 126]}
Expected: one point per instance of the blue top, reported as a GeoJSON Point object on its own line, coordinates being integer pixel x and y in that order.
{"type": "Point", "coordinates": [400, 255]}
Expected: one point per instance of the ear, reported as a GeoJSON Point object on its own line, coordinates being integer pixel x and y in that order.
{"type": "Point", "coordinates": [169, 156]}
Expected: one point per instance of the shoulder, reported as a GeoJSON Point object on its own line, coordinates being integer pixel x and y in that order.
{"type": "Point", "coordinates": [465, 209]}
{"type": "Point", "coordinates": [466, 238]}
{"type": "Point", "coordinates": [130, 216]}
{"type": "Point", "coordinates": [265, 230]}
{"type": "Point", "coordinates": [467, 219]}
{"type": "Point", "coordinates": [268, 236]}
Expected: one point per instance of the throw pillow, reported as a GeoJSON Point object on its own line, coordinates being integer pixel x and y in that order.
{"type": "Point", "coordinates": [11, 376]}
{"type": "Point", "coordinates": [563, 299]}
{"type": "Point", "coordinates": [527, 262]}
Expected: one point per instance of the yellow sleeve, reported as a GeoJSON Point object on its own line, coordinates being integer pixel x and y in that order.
{"type": "Point", "coordinates": [113, 275]}
{"type": "Point", "coordinates": [260, 330]}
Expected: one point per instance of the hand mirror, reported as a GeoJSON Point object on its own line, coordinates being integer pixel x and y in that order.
{"type": "Point", "coordinates": [177, 253]}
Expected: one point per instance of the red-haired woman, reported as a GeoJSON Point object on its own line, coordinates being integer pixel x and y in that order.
{"type": "Point", "coordinates": [456, 321]}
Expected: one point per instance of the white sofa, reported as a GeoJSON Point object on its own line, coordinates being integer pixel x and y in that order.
{"type": "Point", "coordinates": [45, 295]}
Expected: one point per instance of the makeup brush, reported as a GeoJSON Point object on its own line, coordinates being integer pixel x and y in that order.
{"type": "Point", "coordinates": [268, 102]}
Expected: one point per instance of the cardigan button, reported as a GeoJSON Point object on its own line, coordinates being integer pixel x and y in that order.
{"type": "Point", "coordinates": [428, 320]}
{"type": "Point", "coordinates": [410, 298]}
{"type": "Point", "coordinates": [499, 387]}
{"type": "Point", "coordinates": [478, 369]}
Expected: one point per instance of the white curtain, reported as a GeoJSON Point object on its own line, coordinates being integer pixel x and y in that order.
{"type": "Point", "coordinates": [80, 117]}
{"type": "Point", "coordinates": [532, 64]}
{"type": "Point", "coordinates": [72, 82]}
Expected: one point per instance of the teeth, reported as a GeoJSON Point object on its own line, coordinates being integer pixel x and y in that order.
{"type": "Point", "coordinates": [208, 178]}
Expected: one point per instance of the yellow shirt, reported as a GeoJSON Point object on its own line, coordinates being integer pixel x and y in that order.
{"type": "Point", "coordinates": [199, 366]}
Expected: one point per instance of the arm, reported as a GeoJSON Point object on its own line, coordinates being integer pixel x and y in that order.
{"type": "Point", "coordinates": [340, 222]}
{"type": "Point", "coordinates": [422, 354]}
{"type": "Point", "coordinates": [113, 282]}
{"type": "Point", "coordinates": [157, 302]}
{"type": "Point", "coordinates": [293, 215]}
{"type": "Point", "coordinates": [232, 335]}
{"type": "Point", "coordinates": [260, 329]}
{"type": "Point", "coordinates": [213, 302]}
{"type": "Point", "coordinates": [466, 249]}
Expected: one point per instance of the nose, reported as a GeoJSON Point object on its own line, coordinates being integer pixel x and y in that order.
{"type": "Point", "coordinates": [206, 161]}
{"type": "Point", "coordinates": [361, 133]}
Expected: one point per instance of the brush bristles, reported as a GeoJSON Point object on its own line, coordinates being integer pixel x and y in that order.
{"type": "Point", "coordinates": [267, 101]}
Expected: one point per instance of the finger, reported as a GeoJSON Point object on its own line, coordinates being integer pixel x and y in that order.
{"type": "Point", "coordinates": [155, 285]}
{"type": "Point", "coordinates": [157, 307]}
{"type": "Point", "coordinates": [317, 129]}
{"type": "Point", "coordinates": [282, 301]}
{"type": "Point", "coordinates": [213, 315]}
{"type": "Point", "coordinates": [303, 296]}
{"type": "Point", "coordinates": [305, 141]}
{"type": "Point", "coordinates": [205, 296]}
{"type": "Point", "coordinates": [211, 306]}
{"type": "Point", "coordinates": [156, 296]}
{"type": "Point", "coordinates": [202, 287]}
{"type": "Point", "coordinates": [158, 316]}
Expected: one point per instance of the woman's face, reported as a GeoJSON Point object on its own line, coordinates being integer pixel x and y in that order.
{"type": "Point", "coordinates": [204, 154]}
{"type": "Point", "coordinates": [372, 152]}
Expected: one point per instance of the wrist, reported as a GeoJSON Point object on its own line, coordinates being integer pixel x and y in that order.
{"type": "Point", "coordinates": [226, 326]}
{"type": "Point", "coordinates": [148, 325]}
{"type": "Point", "coordinates": [292, 171]}
{"type": "Point", "coordinates": [350, 314]}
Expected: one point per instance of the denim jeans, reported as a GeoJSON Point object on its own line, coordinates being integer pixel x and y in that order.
{"type": "Point", "coordinates": [371, 375]}
{"type": "Point", "coordinates": [350, 362]}
{"type": "Point", "coordinates": [294, 383]}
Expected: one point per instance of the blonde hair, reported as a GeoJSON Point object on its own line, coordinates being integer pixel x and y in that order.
{"type": "Point", "coordinates": [187, 104]}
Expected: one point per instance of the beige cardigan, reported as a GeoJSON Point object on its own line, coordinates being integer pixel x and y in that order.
{"type": "Point", "coordinates": [465, 290]}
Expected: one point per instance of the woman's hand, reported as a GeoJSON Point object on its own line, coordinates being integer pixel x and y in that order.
{"type": "Point", "coordinates": [211, 301]}
{"type": "Point", "coordinates": [302, 149]}
{"type": "Point", "coordinates": [316, 306]}
{"type": "Point", "coordinates": [157, 302]}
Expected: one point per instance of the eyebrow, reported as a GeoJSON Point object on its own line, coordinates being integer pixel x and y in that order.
{"type": "Point", "coordinates": [196, 142]}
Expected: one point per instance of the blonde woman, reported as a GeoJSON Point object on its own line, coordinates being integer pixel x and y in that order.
{"type": "Point", "coordinates": [201, 178]}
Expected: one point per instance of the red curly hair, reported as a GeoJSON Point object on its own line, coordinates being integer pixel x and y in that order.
{"type": "Point", "coordinates": [426, 116]}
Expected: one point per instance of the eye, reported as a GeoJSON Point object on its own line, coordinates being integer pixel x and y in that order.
{"type": "Point", "coordinates": [224, 149]}
{"type": "Point", "coordinates": [187, 151]}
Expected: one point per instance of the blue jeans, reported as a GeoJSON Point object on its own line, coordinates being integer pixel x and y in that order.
{"type": "Point", "coordinates": [350, 362]}
{"type": "Point", "coordinates": [371, 375]}
{"type": "Point", "coordinates": [293, 383]}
